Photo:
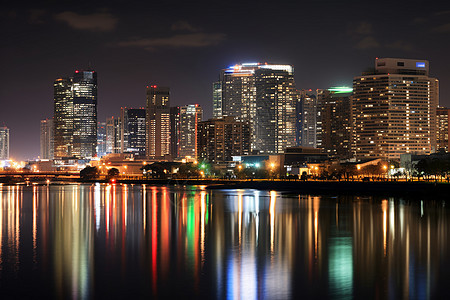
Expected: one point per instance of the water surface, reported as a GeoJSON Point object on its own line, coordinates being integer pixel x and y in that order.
{"type": "Point", "coordinates": [118, 241]}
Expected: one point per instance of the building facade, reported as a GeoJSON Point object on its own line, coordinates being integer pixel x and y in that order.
{"type": "Point", "coordinates": [306, 118]}
{"type": "Point", "coordinates": [101, 139]}
{"type": "Point", "coordinates": [394, 110]}
{"type": "Point", "coordinates": [46, 139]}
{"type": "Point", "coordinates": [264, 96]}
{"type": "Point", "coordinates": [133, 130]}
{"type": "Point", "coordinates": [442, 120]}
{"type": "Point", "coordinates": [218, 140]}
{"type": "Point", "coordinates": [335, 122]}
{"type": "Point", "coordinates": [75, 115]}
{"type": "Point", "coordinates": [113, 135]}
{"type": "Point", "coordinates": [4, 143]}
{"type": "Point", "coordinates": [158, 121]}
{"type": "Point", "coordinates": [190, 117]}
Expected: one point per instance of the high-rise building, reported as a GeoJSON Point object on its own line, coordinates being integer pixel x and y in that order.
{"type": "Point", "coordinates": [190, 116]}
{"type": "Point", "coordinates": [133, 130]}
{"type": "Point", "coordinates": [306, 118]}
{"type": "Point", "coordinates": [174, 131]}
{"type": "Point", "coordinates": [46, 139]}
{"type": "Point", "coordinates": [75, 115]}
{"type": "Point", "coordinates": [158, 121]}
{"type": "Point", "coordinates": [101, 139]}
{"type": "Point", "coordinates": [394, 109]}
{"type": "Point", "coordinates": [63, 117]}
{"type": "Point", "coordinates": [336, 121]}
{"type": "Point", "coordinates": [4, 143]}
{"type": "Point", "coordinates": [217, 99]}
{"type": "Point", "coordinates": [113, 135]}
{"type": "Point", "coordinates": [220, 139]}
{"type": "Point", "coordinates": [443, 131]}
{"type": "Point", "coordinates": [264, 96]}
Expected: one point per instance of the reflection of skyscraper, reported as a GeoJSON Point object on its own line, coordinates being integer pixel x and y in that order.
{"type": "Point", "coordinates": [263, 95]}
{"type": "Point", "coordinates": [4, 143]}
{"type": "Point", "coordinates": [46, 139]}
{"type": "Point", "coordinates": [158, 121]}
{"type": "Point", "coordinates": [75, 115]}
{"type": "Point", "coordinates": [394, 109]}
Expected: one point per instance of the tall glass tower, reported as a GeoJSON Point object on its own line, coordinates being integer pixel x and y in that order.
{"type": "Point", "coordinates": [158, 121]}
{"type": "Point", "coordinates": [264, 96]}
{"type": "Point", "coordinates": [75, 115]}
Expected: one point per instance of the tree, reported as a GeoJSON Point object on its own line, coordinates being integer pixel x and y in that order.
{"type": "Point", "coordinates": [89, 173]}
{"type": "Point", "coordinates": [113, 173]}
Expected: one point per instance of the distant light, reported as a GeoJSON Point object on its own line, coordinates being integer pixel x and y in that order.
{"type": "Point", "coordinates": [420, 65]}
{"type": "Point", "coordinates": [340, 89]}
{"type": "Point", "coordinates": [76, 71]}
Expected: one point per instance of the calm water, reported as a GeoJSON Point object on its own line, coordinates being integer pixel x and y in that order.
{"type": "Point", "coordinates": [103, 241]}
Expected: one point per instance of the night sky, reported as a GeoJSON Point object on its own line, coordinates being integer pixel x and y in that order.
{"type": "Point", "coordinates": [184, 44]}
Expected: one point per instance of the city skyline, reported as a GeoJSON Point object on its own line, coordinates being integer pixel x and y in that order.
{"type": "Point", "coordinates": [134, 46]}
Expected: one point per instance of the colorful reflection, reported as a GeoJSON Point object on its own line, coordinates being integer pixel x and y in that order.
{"type": "Point", "coordinates": [109, 241]}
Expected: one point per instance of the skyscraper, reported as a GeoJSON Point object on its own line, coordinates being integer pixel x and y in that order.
{"type": "Point", "coordinates": [4, 143]}
{"type": "Point", "coordinates": [190, 116]}
{"type": "Point", "coordinates": [46, 139]}
{"type": "Point", "coordinates": [75, 115]}
{"type": "Point", "coordinates": [113, 135]}
{"type": "Point", "coordinates": [158, 121]}
{"type": "Point", "coordinates": [101, 139]}
{"type": "Point", "coordinates": [63, 117]}
{"type": "Point", "coordinates": [264, 96]}
{"type": "Point", "coordinates": [133, 130]}
{"type": "Point", "coordinates": [394, 109]}
{"type": "Point", "coordinates": [306, 118]}
{"type": "Point", "coordinates": [443, 131]}
{"type": "Point", "coordinates": [174, 131]}
{"type": "Point", "coordinates": [336, 121]}
{"type": "Point", "coordinates": [220, 139]}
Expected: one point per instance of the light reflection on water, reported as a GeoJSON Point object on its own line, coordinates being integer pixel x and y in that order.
{"type": "Point", "coordinates": [112, 241]}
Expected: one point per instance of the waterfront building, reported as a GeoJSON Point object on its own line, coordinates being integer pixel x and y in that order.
{"type": "Point", "coordinates": [133, 130]}
{"type": "Point", "coordinates": [113, 135]}
{"type": "Point", "coordinates": [101, 139]}
{"type": "Point", "coordinates": [174, 131]}
{"type": "Point", "coordinates": [190, 116]}
{"type": "Point", "coordinates": [264, 96]}
{"type": "Point", "coordinates": [46, 139]}
{"type": "Point", "coordinates": [218, 140]}
{"type": "Point", "coordinates": [158, 121]}
{"type": "Point", "coordinates": [335, 122]}
{"type": "Point", "coordinates": [63, 117]}
{"type": "Point", "coordinates": [217, 99]}
{"type": "Point", "coordinates": [394, 109]}
{"type": "Point", "coordinates": [4, 143]}
{"type": "Point", "coordinates": [306, 113]}
{"type": "Point", "coordinates": [442, 120]}
{"type": "Point", "coordinates": [75, 115]}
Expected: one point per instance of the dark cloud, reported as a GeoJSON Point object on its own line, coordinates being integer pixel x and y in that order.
{"type": "Point", "coordinates": [400, 45]}
{"type": "Point", "coordinates": [184, 26]}
{"type": "Point", "coordinates": [191, 40]}
{"type": "Point", "coordinates": [445, 28]}
{"type": "Point", "coordinates": [36, 16]}
{"type": "Point", "coordinates": [363, 28]}
{"type": "Point", "coordinates": [368, 43]}
{"type": "Point", "coordinates": [92, 22]}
